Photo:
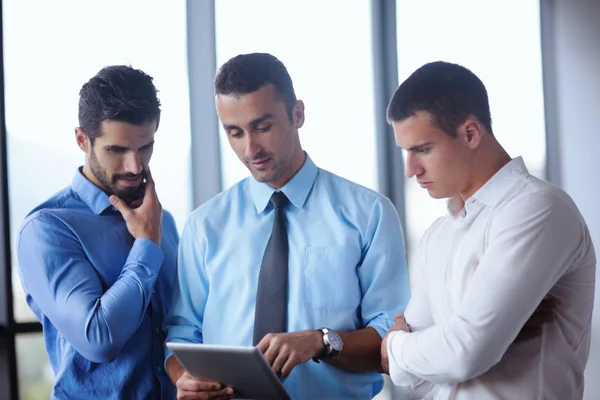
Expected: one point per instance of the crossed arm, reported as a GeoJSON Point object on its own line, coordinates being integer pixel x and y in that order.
{"type": "Point", "coordinates": [529, 250]}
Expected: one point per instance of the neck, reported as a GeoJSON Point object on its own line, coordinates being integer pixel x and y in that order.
{"type": "Point", "coordinates": [487, 163]}
{"type": "Point", "coordinates": [87, 172]}
{"type": "Point", "coordinates": [296, 163]}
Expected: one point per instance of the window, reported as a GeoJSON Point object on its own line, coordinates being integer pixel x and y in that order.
{"type": "Point", "coordinates": [328, 55]}
{"type": "Point", "coordinates": [35, 373]}
{"type": "Point", "coordinates": [501, 45]}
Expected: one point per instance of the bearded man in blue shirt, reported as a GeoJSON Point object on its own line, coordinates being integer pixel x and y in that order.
{"type": "Point", "coordinates": [294, 259]}
{"type": "Point", "coordinates": [97, 259]}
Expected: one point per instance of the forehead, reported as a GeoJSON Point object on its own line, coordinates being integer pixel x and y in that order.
{"type": "Point", "coordinates": [416, 130]}
{"type": "Point", "coordinates": [241, 109]}
{"type": "Point", "coordinates": [125, 134]}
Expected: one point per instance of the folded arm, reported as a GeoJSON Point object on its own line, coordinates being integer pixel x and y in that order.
{"type": "Point", "coordinates": [529, 249]}
{"type": "Point", "coordinates": [384, 285]}
{"type": "Point", "coordinates": [58, 276]}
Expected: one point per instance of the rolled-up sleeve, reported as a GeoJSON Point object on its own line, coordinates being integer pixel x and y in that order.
{"type": "Point", "coordinates": [529, 248]}
{"type": "Point", "coordinates": [183, 322]}
{"type": "Point", "coordinates": [382, 273]}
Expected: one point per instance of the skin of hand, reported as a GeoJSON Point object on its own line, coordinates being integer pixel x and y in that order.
{"type": "Point", "coordinates": [283, 351]}
{"type": "Point", "coordinates": [145, 221]}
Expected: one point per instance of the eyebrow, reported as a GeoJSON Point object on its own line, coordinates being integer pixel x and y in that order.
{"type": "Point", "coordinates": [419, 146]}
{"type": "Point", "coordinates": [252, 123]}
{"type": "Point", "coordinates": [260, 119]}
{"type": "Point", "coordinates": [121, 148]}
{"type": "Point", "coordinates": [144, 147]}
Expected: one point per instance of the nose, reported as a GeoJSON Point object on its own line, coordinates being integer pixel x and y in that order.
{"type": "Point", "coordinates": [252, 146]}
{"type": "Point", "coordinates": [132, 163]}
{"type": "Point", "coordinates": [413, 166]}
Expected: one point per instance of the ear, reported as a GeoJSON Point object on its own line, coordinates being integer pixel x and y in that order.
{"type": "Point", "coordinates": [298, 114]}
{"type": "Point", "coordinates": [83, 140]}
{"type": "Point", "coordinates": [472, 133]}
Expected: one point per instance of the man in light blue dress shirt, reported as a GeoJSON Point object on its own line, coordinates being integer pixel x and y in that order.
{"type": "Point", "coordinates": [96, 262]}
{"type": "Point", "coordinates": [347, 269]}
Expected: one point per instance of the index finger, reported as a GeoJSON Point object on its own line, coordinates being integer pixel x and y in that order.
{"type": "Point", "coordinates": [150, 186]}
{"type": "Point", "coordinates": [549, 303]}
{"type": "Point", "coordinates": [188, 382]}
{"type": "Point", "coordinates": [263, 345]}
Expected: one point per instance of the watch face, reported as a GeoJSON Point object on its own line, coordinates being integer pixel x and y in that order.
{"type": "Point", "coordinates": [335, 341]}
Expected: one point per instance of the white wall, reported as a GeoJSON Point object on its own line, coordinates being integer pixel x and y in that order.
{"type": "Point", "coordinates": [574, 67]}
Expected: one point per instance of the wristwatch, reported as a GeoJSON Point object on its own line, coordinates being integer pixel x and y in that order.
{"type": "Point", "coordinates": [333, 344]}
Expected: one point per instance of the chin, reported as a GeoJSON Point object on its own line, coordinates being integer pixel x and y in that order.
{"type": "Point", "coordinates": [262, 176]}
{"type": "Point", "coordinates": [436, 195]}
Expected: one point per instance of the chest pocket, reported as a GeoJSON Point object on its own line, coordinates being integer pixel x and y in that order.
{"type": "Point", "coordinates": [331, 279]}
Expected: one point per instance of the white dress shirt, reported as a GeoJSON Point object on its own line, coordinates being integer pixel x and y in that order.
{"type": "Point", "coordinates": [480, 273]}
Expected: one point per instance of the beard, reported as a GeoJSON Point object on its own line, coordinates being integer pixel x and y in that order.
{"type": "Point", "coordinates": [128, 195]}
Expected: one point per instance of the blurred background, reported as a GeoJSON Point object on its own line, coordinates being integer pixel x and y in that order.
{"type": "Point", "coordinates": [538, 58]}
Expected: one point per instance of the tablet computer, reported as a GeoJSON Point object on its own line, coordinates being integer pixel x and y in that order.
{"type": "Point", "coordinates": [242, 368]}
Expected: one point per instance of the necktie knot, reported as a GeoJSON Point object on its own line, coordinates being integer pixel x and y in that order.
{"type": "Point", "coordinates": [278, 200]}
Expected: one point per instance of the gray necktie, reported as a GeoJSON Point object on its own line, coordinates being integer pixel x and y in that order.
{"type": "Point", "coordinates": [270, 313]}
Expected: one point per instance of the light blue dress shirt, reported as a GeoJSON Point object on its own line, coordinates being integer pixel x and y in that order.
{"type": "Point", "coordinates": [100, 294]}
{"type": "Point", "coordinates": [347, 270]}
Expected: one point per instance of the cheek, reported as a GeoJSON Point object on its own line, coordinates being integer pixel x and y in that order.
{"type": "Point", "coordinates": [238, 147]}
{"type": "Point", "coordinates": [145, 158]}
{"type": "Point", "coordinates": [280, 143]}
{"type": "Point", "coordinates": [449, 169]}
{"type": "Point", "coordinates": [435, 167]}
{"type": "Point", "coordinates": [111, 163]}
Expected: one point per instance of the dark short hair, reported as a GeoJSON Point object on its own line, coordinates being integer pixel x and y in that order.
{"type": "Point", "coordinates": [246, 73]}
{"type": "Point", "coordinates": [118, 93]}
{"type": "Point", "coordinates": [450, 93]}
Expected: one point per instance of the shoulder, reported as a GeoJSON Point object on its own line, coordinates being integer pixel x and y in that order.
{"type": "Point", "coordinates": [345, 191]}
{"type": "Point", "coordinates": [218, 206]}
{"type": "Point", "coordinates": [63, 199]}
{"type": "Point", "coordinates": [44, 229]}
{"type": "Point", "coordinates": [168, 219]}
{"type": "Point", "coordinates": [536, 197]}
{"type": "Point", "coordinates": [49, 211]}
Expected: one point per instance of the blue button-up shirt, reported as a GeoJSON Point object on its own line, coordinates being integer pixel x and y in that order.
{"type": "Point", "coordinates": [100, 294]}
{"type": "Point", "coordinates": [347, 270]}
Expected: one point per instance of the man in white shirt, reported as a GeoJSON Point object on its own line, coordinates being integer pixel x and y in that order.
{"type": "Point", "coordinates": [508, 240]}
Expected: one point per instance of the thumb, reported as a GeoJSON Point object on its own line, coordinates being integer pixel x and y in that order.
{"type": "Point", "coordinates": [119, 205]}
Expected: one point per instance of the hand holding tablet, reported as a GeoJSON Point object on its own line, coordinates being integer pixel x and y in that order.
{"type": "Point", "coordinates": [242, 368]}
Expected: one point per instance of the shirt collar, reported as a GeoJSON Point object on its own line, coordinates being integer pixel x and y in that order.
{"type": "Point", "coordinates": [496, 188]}
{"type": "Point", "coordinates": [296, 190]}
{"type": "Point", "coordinates": [493, 191]}
{"type": "Point", "coordinates": [91, 194]}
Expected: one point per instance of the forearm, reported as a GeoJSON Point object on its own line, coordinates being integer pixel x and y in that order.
{"type": "Point", "coordinates": [174, 369]}
{"type": "Point", "coordinates": [117, 313]}
{"type": "Point", "coordinates": [361, 352]}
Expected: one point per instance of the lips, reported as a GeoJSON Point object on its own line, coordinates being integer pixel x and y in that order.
{"type": "Point", "coordinates": [259, 164]}
{"type": "Point", "coordinates": [425, 185]}
{"type": "Point", "coordinates": [131, 181]}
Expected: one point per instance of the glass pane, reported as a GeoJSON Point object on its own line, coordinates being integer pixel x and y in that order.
{"type": "Point", "coordinates": [46, 62]}
{"type": "Point", "coordinates": [330, 62]}
{"type": "Point", "coordinates": [35, 373]}
{"type": "Point", "coordinates": [500, 43]}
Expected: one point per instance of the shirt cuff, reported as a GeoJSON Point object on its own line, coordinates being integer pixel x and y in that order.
{"type": "Point", "coordinates": [168, 354]}
{"type": "Point", "coordinates": [146, 252]}
{"type": "Point", "coordinates": [397, 368]}
{"type": "Point", "coordinates": [381, 324]}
